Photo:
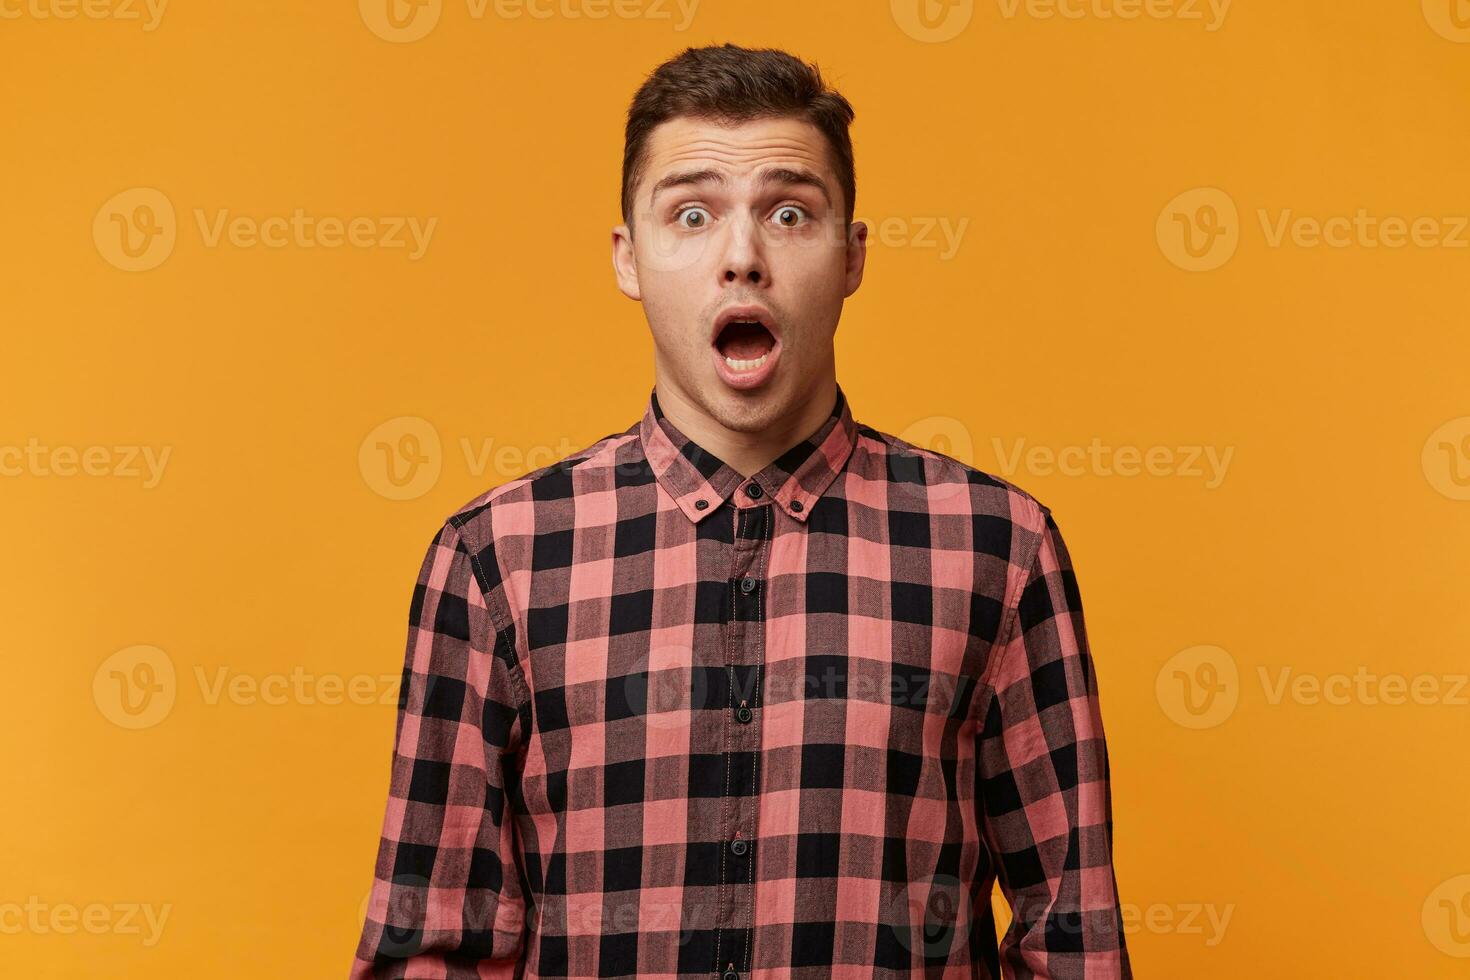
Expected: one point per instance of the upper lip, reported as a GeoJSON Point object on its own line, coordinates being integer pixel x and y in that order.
{"type": "Point", "coordinates": [750, 312]}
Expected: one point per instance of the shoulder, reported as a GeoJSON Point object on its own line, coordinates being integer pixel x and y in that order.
{"type": "Point", "coordinates": [512, 507]}
{"type": "Point", "coordinates": [943, 484]}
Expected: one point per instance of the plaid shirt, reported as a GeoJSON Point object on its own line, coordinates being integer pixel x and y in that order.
{"type": "Point", "coordinates": [661, 720]}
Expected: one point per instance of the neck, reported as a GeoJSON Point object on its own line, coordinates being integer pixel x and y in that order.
{"type": "Point", "coordinates": [750, 452]}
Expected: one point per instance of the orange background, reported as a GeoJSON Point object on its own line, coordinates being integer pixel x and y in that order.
{"type": "Point", "coordinates": [1326, 833]}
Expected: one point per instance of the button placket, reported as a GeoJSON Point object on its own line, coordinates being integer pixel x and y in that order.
{"type": "Point", "coordinates": [744, 661]}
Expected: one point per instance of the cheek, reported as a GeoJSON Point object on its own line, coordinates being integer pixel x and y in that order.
{"type": "Point", "coordinates": [668, 257]}
{"type": "Point", "coordinates": [667, 299]}
{"type": "Point", "coordinates": [674, 319]}
{"type": "Point", "coordinates": [813, 262]}
{"type": "Point", "coordinates": [812, 293]}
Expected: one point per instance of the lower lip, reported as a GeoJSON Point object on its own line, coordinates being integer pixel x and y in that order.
{"type": "Point", "coordinates": [746, 379]}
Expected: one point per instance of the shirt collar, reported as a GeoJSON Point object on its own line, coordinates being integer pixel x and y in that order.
{"type": "Point", "coordinates": [699, 481]}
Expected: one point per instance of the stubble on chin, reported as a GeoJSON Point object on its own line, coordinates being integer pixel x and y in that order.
{"type": "Point", "coordinates": [750, 412]}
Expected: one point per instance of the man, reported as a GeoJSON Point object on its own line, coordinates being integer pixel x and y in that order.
{"type": "Point", "coordinates": [749, 689]}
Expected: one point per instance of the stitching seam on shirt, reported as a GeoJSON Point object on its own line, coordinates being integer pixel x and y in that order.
{"type": "Point", "coordinates": [755, 755]}
{"type": "Point", "coordinates": [500, 618]}
{"type": "Point", "coordinates": [725, 741]}
{"type": "Point", "coordinates": [523, 692]}
{"type": "Point", "coordinates": [1009, 618]}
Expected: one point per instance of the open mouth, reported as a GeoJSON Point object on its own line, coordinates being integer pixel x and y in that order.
{"type": "Point", "coordinates": [745, 345]}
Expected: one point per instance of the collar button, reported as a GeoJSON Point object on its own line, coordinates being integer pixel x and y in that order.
{"type": "Point", "coordinates": [753, 490]}
{"type": "Point", "coordinates": [701, 504]}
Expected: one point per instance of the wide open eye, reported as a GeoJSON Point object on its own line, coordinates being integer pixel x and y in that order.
{"type": "Point", "coordinates": [700, 218]}
{"type": "Point", "coordinates": [789, 215]}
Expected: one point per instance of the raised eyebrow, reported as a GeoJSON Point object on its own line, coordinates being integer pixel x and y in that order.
{"type": "Point", "coordinates": [683, 178]}
{"type": "Point", "coordinates": [786, 175]}
{"type": "Point", "coordinates": [775, 175]}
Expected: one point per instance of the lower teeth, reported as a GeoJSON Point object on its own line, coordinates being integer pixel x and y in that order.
{"type": "Point", "coordinates": [739, 365]}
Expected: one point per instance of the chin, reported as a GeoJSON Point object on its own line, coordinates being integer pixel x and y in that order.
{"type": "Point", "coordinates": [748, 411]}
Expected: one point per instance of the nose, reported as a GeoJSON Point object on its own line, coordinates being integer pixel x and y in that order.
{"type": "Point", "coordinates": [744, 260]}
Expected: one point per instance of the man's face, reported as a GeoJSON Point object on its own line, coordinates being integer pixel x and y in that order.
{"type": "Point", "coordinates": [742, 221]}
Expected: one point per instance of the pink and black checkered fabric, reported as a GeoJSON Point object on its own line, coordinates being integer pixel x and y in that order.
{"type": "Point", "coordinates": [659, 720]}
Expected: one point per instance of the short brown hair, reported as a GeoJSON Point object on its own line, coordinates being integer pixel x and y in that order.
{"type": "Point", "coordinates": [731, 84]}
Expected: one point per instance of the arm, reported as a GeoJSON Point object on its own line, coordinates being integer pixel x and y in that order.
{"type": "Point", "coordinates": [1045, 793]}
{"type": "Point", "coordinates": [448, 901]}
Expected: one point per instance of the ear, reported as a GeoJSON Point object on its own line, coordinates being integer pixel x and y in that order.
{"type": "Point", "coordinates": [625, 262]}
{"type": "Point", "coordinates": [857, 255]}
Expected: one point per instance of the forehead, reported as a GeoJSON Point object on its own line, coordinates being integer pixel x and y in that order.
{"type": "Point", "coordinates": [740, 148]}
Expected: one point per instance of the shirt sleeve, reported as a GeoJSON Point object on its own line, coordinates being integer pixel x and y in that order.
{"type": "Point", "coordinates": [1044, 783]}
{"type": "Point", "coordinates": [448, 897]}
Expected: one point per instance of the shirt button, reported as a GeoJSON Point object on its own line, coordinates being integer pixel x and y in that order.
{"type": "Point", "coordinates": [747, 585]}
{"type": "Point", "coordinates": [797, 505]}
{"type": "Point", "coordinates": [743, 715]}
{"type": "Point", "coordinates": [738, 847]}
{"type": "Point", "coordinates": [753, 490]}
{"type": "Point", "coordinates": [730, 975]}
{"type": "Point", "coordinates": [701, 504]}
